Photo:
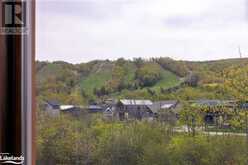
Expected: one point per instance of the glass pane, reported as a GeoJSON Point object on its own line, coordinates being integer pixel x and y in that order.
{"type": "Point", "coordinates": [138, 82]}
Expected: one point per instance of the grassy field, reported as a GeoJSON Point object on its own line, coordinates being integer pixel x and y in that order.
{"type": "Point", "coordinates": [95, 80]}
{"type": "Point", "coordinates": [168, 80]}
{"type": "Point", "coordinates": [99, 75]}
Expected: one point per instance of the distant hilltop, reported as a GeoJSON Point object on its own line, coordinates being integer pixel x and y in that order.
{"type": "Point", "coordinates": [155, 79]}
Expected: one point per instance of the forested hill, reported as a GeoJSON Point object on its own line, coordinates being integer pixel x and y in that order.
{"type": "Point", "coordinates": [157, 78]}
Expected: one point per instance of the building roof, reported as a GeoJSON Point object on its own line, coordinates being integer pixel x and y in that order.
{"type": "Point", "coordinates": [209, 103]}
{"type": "Point", "coordinates": [108, 110]}
{"type": "Point", "coordinates": [156, 106]}
{"type": "Point", "coordinates": [136, 102]}
{"type": "Point", "coordinates": [53, 103]}
{"type": "Point", "coordinates": [66, 107]}
{"type": "Point", "coordinates": [94, 107]}
{"type": "Point", "coordinates": [244, 106]}
{"type": "Point", "coordinates": [213, 103]}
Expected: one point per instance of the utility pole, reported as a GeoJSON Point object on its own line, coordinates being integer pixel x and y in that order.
{"type": "Point", "coordinates": [240, 53]}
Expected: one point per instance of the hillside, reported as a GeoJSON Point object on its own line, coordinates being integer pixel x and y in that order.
{"type": "Point", "coordinates": [157, 78]}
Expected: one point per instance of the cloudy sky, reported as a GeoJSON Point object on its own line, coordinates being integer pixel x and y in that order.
{"type": "Point", "coordinates": [83, 30]}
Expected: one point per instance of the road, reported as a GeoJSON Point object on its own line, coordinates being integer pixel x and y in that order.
{"type": "Point", "coordinates": [199, 130]}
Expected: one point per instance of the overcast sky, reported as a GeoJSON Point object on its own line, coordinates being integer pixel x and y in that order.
{"type": "Point", "coordinates": [83, 30]}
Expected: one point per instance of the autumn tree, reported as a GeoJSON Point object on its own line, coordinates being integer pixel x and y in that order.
{"type": "Point", "coordinates": [191, 117]}
{"type": "Point", "coordinates": [236, 82]}
{"type": "Point", "coordinates": [148, 74]}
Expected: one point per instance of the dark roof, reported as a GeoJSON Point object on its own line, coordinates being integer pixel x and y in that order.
{"type": "Point", "coordinates": [244, 106]}
{"type": "Point", "coordinates": [158, 105]}
{"type": "Point", "coordinates": [95, 108]}
{"type": "Point", "coordinates": [54, 104]}
{"type": "Point", "coordinates": [108, 110]}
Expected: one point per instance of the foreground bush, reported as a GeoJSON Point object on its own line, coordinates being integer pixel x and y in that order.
{"type": "Point", "coordinates": [66, 140]}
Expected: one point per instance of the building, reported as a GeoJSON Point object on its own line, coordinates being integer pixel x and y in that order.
{"type": "Point", "coordinates": [52, 108]}
{"type": "Point", "coordinates": [134, 109]}
{"type": "Point", "coordinates": [109, 113]}
{"type": "Point", "coordinates": [163, 105]}
{"type": "Point", "coordinates": [71, 109]}
{"type": "Point", "coordinates": [95, 109]}
{"type": "Point", "coordinates": [243, 106]}
{"type": "Point", "coordinates": [167, 111]}
{"type": "Point", "coordinates": [215, 109]}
